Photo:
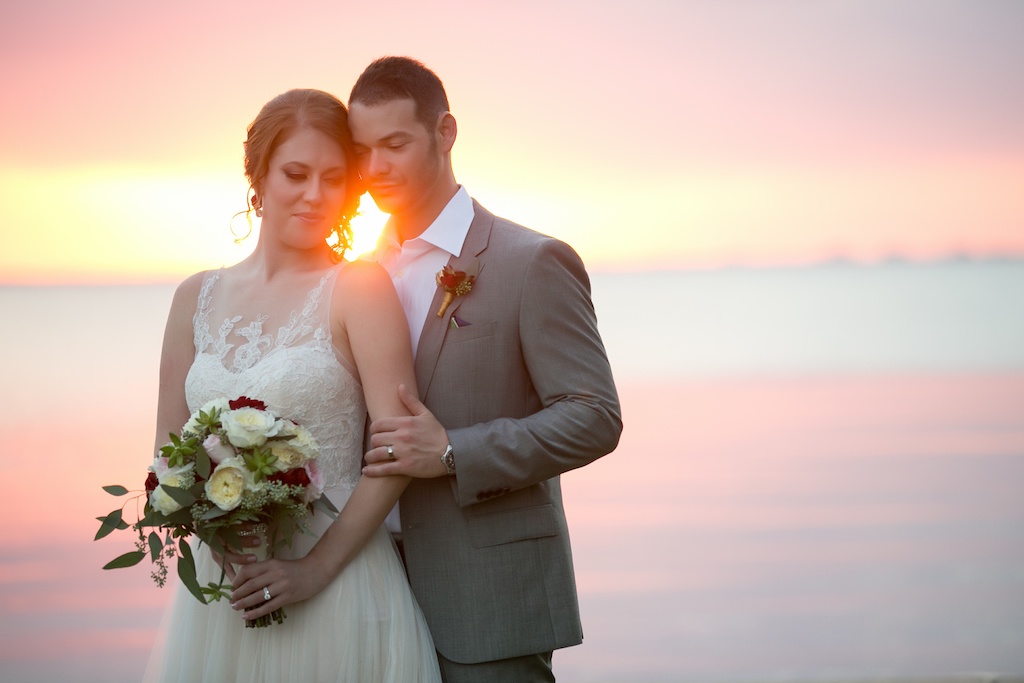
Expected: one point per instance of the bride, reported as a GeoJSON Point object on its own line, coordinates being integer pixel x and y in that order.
{"type": "Point", "coordinates": [321, 342]}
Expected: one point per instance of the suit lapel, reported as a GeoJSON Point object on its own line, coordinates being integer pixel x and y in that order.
{"type": "Point", "coordinates": [435, 328]}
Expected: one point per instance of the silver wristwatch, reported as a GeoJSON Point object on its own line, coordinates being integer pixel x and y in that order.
{"type": "Point", "coordinates": [448, 458]}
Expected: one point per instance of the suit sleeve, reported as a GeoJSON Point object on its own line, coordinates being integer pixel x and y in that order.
{"type": "Point", "coordinates": [579, 419]}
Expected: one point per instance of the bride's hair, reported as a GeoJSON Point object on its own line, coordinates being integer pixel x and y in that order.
{"type": "Point", "coordinates": [279, 118]}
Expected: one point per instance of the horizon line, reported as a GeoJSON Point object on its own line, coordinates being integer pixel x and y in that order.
{"type": "Point", "coordinates": [87, 279]}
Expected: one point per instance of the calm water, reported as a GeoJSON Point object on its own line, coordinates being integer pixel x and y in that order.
{"type": "Point", "coordinates": [821, 477]}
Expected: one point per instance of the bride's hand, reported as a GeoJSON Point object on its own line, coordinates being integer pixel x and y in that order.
{"type": "Point", "coordinates": [236, 556]}
{"type": "Point", "coordinates": [287, 581]}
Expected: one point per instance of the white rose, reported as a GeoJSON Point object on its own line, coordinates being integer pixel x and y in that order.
{"type": "Point", "coordinates": [288, 457]}
{"type": "Point", "coordinates": [249, 427]}
{"type": "Point", "coordinates": [301, 440]}
{"type": "Point", "coordinates": [226, 485]}
{"type": "Point", "coordinates": [217, 449]}
{"type": "Point", "coordinates": [159, 498]}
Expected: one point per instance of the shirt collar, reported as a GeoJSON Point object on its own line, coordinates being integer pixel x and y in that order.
{"type": "Point", "coordinates": [449, 229]}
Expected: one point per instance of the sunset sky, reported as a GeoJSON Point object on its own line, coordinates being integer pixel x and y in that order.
{"type": "Point", "coordinates": [648, 134]}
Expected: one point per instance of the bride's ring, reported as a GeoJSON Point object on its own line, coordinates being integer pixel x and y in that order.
{"type": "Point", "coordinates": [266, 593]}
{"type": "Point", "coordinates": [391, 452]}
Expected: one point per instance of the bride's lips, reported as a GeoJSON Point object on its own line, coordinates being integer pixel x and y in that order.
{"type": "Point", "coordinates": [309, 217]}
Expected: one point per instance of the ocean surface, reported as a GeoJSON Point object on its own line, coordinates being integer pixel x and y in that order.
{"type": "Point", "coordinates": [821, 477]}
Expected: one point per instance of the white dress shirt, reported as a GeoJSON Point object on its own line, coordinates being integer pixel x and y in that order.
{"type": "Point", "coordinates": [413, 266]}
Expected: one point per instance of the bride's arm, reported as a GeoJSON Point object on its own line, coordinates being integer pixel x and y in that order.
{"type": "Point", "coordinates": [369, 327]}
{"type": "Point", "coordinates": [176, 358]}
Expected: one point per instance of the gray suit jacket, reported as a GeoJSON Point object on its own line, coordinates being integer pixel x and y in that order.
{"type": "Point", "coordinates": [525, 392]}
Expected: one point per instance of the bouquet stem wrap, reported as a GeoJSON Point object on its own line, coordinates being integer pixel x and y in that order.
{"type": "Point", "coordinates": [264, 551]}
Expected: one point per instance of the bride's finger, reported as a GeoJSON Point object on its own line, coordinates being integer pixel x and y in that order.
{"type": "Point", "coordinates": [248, 594]}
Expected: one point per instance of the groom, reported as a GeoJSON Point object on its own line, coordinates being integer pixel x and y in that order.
{"type": "Point", "coordinates": [515, 388]}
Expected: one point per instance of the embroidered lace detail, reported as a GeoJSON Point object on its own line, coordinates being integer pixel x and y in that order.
{"type": "Point", "coordinates": [297, 374]}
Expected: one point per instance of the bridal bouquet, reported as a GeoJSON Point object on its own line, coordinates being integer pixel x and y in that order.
{"type": "Point", "coordinates": [236, 469]}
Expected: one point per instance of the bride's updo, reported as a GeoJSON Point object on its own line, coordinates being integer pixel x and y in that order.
{"type": "Point", "coordinates": [278, 119]}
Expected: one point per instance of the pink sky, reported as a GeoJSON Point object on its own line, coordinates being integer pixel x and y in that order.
{"type": "Point", "coordinates": [665, 134]}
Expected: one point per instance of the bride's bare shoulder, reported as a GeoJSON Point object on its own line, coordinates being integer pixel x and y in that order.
{"type": "Point", "coordinates": [364, 277]}
{"type": "Point", "coordinates": [187, 293]}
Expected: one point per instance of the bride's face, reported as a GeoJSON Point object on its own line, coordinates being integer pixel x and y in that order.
{"type": "Point", "coordinates": [304, 190]}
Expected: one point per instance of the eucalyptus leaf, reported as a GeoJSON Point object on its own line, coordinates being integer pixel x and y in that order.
{"type": "Point", "coordinates": [109, 523]}
{"type": "Point", "coordinates": [180, 496]}
{"type": "Point", "coordinates": [203, 464]}
{"type": "Point", "coordinates": [156, 546]}
{"type": "Point", "coordinates": [115, 490]}
{"type": "Point", "coordinates": [187, 571]}
{"type": "Point", "coordinates": [182, 517]}
{"type": "Point", "coordinates": [327, 506]}
{"type": "Point", "coordinates": [127, 560]}
{"type": "Point", "coordinates": [213, 513]}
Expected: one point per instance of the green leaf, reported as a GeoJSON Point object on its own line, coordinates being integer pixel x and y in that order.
{"type": "Point", "coordinates": [217, 591]}
{"type": "Point", "coordinates": [156, 546]}
{"type": "Point", "coordinates": [180, 496]}
{"type": "Point", "coordinates": [109, 523]}
{"type": "Point", "coordinates": [115, 490]}
{"type": "Point", "coordinates": [180, 518]}
{"type": "Point", "coordinates": [213, 513]}
{"type": "Point", "coordinates": [203, 464]}
{"type": "Point", "coordinates": [127, 560]}
{"type": "Point", "coordinates": [325, 503]}
{"type": "Point", "coordinates": [187, 571]}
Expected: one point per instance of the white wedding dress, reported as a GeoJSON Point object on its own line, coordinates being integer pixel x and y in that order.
{"type": "Point", "coordinates": [365, 626]}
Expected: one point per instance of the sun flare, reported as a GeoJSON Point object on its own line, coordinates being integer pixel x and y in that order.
{"type": "Point", "coordinates": [366, 227]}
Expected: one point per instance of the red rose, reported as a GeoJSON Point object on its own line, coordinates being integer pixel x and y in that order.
{"type": "Point", "coordinates": [295, 477]}
{"type": "Point", "coordinates": [449, 278]}
{"type": "Point", "coordinates": [246, 402]}
{"type": "Point", "coordinates": [151, 482]}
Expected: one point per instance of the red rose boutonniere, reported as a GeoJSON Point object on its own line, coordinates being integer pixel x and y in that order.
{"type": "Point", "coordinates": [455, 283]}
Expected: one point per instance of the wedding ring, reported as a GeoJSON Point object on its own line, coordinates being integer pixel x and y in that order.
{"type": "Point", "coordinates": [391, 452]}
{"type": "Point", "coordinates": [266, 594]}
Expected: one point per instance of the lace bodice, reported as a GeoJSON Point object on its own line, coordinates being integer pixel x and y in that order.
{"type": "Point", "coordinates": [296, 371]}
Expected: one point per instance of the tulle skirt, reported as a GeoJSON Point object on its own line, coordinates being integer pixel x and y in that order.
{"type": "Point", "coordinates": [364, 627]}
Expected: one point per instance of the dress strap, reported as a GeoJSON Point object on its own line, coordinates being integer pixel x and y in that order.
{"type": "Point", "coordinates": [201, 320]}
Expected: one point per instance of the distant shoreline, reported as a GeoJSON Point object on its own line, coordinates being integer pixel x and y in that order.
{"type": "Point", "coordinates": [890, 261]}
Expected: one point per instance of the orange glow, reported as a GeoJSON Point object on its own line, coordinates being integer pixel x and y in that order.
{"type": "Point", "coordinates": [698, 142]}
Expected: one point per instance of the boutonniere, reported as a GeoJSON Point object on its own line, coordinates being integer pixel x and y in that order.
{"type": "Point", "coordinates": [455, 283]}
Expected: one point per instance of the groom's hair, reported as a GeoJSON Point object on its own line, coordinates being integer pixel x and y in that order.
{"type": "Point", "coordinates": [402, 78]}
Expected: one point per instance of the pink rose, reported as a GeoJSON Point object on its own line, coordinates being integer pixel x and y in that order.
{"type": "Point", "coordinates": [218, 450]}
{"type": "Point", "coordinates": [316, 480]}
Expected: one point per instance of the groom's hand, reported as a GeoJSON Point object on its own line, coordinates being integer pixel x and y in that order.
{"type": "Point", "coordinates": [416, 442]}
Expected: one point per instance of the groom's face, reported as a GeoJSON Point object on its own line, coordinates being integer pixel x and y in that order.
{"type": "Point", "coordinates": [398, 156]}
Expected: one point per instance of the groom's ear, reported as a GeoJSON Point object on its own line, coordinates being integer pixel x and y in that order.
{"type": "Point", "coordinates": [445, 131]}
